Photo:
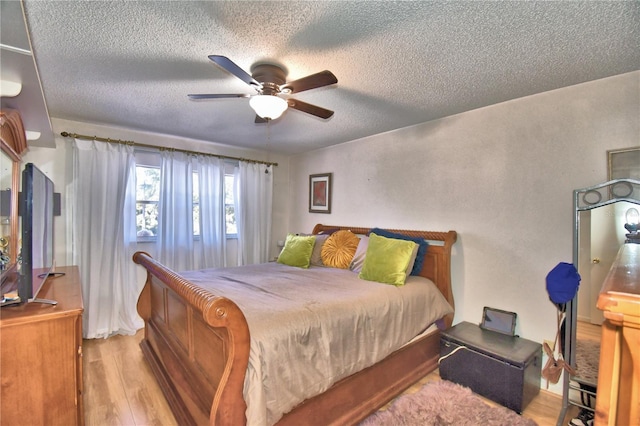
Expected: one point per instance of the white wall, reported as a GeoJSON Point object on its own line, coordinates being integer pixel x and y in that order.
{"type": "Point", "coordinates": [501, 176]}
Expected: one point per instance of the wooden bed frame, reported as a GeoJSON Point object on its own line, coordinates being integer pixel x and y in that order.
{"type": "Point", "coordinates": [197, 345]}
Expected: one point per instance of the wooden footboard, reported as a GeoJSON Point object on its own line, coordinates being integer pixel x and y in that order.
{"type": "Point", "coordinates": [197, 345]}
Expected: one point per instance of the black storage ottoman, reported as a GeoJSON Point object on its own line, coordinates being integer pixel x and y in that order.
{"type": "Point", "coordinates": [505, 369]}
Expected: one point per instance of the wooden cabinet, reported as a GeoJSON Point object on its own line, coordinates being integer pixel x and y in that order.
{"type": "Point", "coordinates": [41, 356]}
{"type": "Point", "coordinates": [618, 397]}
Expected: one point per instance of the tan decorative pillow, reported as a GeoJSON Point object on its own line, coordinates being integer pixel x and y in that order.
{"type": "Point", "coordinates": [316, 256]}
{"type": "Point", "coordinates": [339, 248]}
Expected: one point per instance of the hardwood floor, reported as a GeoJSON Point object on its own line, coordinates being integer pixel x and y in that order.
{"type": "Point", "coordinates": [119, 388]}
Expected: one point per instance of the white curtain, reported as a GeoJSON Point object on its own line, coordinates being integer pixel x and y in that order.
{"type": "Point", "coordinates": [213, 239]}
{"type": "Point", "coordinates": [253, 199]}
{"type": "Point", "coordinates": [175, 211]}
{"type": "Point", "coordinates": [104, 236]}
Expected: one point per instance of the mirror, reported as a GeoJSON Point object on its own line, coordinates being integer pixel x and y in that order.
{"type": "Point", "coordinates": [602, 231]}
{"type": "Point", "coordinates": [9, 227]}
{"type": "Point", "coordinates": [6, 175]}
{"type": "Point", "coordinates": [12, 143]}
{"type": "Point", "coordinates": [599, 233]}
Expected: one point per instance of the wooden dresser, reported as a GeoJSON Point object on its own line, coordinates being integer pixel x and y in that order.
{"type": "Point", "coordinates": [618, 396]}
{"type": "Point", "coordinates": [41, 356]}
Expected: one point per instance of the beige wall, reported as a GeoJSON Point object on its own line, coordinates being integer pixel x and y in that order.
{"type": "Point", "coordinates": [501, 176]}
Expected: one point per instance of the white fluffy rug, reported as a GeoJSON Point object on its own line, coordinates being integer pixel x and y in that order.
{"type": "Point", "coordinates": [444, 403]}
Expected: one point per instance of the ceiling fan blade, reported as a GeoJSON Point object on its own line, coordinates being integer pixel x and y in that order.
{"type": "Point", "coordinates": [310, 109]}
{"type": "Point", "coordinates": [218, 96]}
{"type": "Point", "coordinates": [234, 69]}
{"type": "Point", "coordinates": [260, 120]}
{"type": "Point", "coordinates": [313, 81]}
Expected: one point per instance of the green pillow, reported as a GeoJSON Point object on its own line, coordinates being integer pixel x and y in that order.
{"type": "Point", "coordinates": [387, 260]}
{"type": "Point", "coordinates": [297, 250]}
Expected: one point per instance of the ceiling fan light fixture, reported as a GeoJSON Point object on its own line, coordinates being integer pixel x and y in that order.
{"type": "Point", "coordinates": [268, 107]}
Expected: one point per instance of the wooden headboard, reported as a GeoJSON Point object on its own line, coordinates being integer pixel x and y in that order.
{"type": "Point", "coordinates": [437, 260]}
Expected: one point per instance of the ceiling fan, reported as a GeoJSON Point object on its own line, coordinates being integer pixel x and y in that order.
{"type": "Point", "coordinates": [269, 81]}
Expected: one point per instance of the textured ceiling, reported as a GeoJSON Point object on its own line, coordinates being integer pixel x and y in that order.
{"type": "Point", "coordinates": [132, 64]}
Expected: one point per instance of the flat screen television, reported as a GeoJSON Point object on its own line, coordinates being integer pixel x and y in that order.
{"type": "Point", "coordinates": [37, 214]}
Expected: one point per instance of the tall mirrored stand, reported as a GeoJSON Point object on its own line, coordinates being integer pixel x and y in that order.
{"type": "Point", "coordinates": [623, 193]}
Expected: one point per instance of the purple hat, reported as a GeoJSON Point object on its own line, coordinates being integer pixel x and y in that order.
{"type": "Point", "coordinates": [562, 282]}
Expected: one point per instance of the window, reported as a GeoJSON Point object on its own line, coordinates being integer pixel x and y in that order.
{"type": "Point", "coordinates": [229, 207]}
{"type": "Point", "coordinates": [148, 196]}
{"type": "Point", "coordinates": [196, 205]}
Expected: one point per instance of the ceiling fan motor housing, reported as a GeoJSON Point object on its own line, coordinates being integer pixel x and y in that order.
{"type": "Point", "coordinates": [271, 77]}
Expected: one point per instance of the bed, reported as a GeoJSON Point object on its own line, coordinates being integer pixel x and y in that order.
{"type": "Point", "coordinates": [198, 345]}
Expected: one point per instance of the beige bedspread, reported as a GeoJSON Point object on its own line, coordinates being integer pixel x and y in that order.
{"type": "Point", "coordinates": [312, 327]}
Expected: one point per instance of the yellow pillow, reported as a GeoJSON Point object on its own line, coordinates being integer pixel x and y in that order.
{"type": "Point", "coordinates": [297, 250]}
{"type": "Point", "coordinates": [339, 248]}
{"type": "Point", "coordinates": [387, 260]}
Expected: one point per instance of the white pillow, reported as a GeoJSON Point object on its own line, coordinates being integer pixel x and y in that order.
{"type": "Point", "coordinates": [361, 251]}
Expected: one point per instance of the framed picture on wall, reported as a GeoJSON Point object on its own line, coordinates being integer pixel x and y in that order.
{"type": "Point", "coordinates": [624, 163]}
{"type": "Point", "coordinates": [320, 193]}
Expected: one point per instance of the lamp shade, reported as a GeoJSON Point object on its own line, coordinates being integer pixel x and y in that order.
{"type": "Point", "coordinates": [633, 222]}
{"type": "Point", "coordinates": [632, 216]}
{"type": "Point", "coordinates": [268, 107]}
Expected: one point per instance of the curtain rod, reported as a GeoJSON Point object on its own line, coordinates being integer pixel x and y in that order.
{"type": "Point", "coordinates": [143, 145]}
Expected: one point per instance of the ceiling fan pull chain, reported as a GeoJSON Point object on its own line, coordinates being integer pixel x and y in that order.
{"type": "Point", "coordinates": [266, 169]}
